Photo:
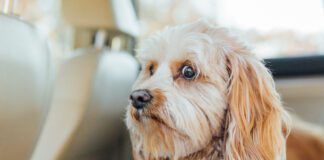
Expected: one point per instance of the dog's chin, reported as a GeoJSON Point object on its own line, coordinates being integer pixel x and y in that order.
{"type": "Point", "coordinates": [158, 136]}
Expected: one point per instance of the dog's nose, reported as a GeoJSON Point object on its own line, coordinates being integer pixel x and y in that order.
{"type": "Point", "coordinates": [140, 98]}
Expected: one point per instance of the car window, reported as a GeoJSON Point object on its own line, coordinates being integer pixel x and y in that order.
{"type": "Point", "coordinates": [271, 28]}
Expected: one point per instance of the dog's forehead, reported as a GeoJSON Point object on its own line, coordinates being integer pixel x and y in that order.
{"type": "Point", "coordinates": [175, 44]}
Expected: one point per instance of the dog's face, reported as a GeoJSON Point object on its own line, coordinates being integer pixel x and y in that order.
{"type": "Point", "coordinates": [179, 101]}
{"type": "Point", "coordinates": [186, 85]}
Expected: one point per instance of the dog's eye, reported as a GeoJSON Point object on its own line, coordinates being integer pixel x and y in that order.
{"type": "Point", "coordinates": [151, 69]}
{"type": "Point", "coordinates": [188, 72]}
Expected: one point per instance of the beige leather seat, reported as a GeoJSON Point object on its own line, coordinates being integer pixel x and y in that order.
{"type": "Point", "coordinates": [86, 116]}
{"type": "Point", "coordinates": [25, 76]}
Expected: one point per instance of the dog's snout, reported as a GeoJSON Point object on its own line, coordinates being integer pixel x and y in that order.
{"type": "Point", "coordinates": [140, 98]}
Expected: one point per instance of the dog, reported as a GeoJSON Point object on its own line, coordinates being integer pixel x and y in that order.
{"type": "Point", "coordinates": [201, 94]}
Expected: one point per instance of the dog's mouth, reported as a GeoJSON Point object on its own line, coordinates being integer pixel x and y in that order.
{"type": "Point", "coordinates": [141, 116]}
{"type": "Point", "coordinates": [157, 119]}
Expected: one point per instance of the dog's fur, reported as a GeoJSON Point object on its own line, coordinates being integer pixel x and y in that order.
{"type": "Point", "coordinates": [230, 111]}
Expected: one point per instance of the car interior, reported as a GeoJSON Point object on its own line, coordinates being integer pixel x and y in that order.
{"type": "Point", "coordinates": [73, 107]}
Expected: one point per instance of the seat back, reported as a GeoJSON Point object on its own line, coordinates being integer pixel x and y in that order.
{"type": "Point", "coordinates": [86, 117]}
{"type": "Point", "coordinates": [25, 75]}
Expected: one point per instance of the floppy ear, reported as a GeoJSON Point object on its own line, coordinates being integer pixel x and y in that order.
{"type": "Point", "coordinates": [256, 119]}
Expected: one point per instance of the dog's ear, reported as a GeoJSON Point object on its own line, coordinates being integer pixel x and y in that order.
{"type": "Point", "coordinates": [255, 118]}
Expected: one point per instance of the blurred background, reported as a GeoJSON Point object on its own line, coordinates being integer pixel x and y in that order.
{"type": "Point", "coordinates": [67, 66]}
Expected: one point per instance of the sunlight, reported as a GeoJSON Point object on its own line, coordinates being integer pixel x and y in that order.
{"type": "Point", "coordinates": [266, 15]}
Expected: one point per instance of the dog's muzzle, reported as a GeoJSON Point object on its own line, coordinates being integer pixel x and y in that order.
{"type": "Point", "coordinates": [140, 98]}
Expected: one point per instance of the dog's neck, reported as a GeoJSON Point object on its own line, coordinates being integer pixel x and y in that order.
{"type": "Point", "coordinates": [213, 151]}
{"type": "Point", "coordinates": [216, 147]}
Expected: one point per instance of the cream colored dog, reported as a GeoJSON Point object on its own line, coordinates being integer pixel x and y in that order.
{"type": "Point", "coordinates": [203, 95]}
